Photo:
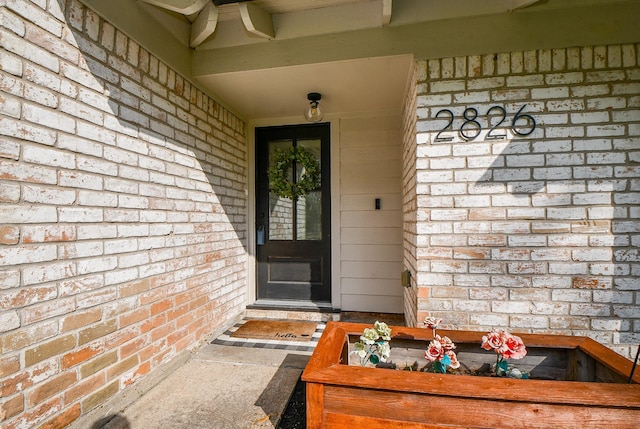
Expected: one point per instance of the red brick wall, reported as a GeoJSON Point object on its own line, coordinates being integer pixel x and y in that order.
{"type": "Point", "coordinates": [122, 213]}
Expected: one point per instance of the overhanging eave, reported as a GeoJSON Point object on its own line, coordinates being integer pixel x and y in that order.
{"type": "Point", "coordinates": [518, 31]}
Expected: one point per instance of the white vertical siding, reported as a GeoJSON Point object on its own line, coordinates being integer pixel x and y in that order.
{"type": "Point", "coordinates": [370, 239]}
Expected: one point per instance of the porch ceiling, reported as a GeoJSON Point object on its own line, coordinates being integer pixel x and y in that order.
{"type": "Point", "coordinates": [365, 85]}
{"type": "Point", "coordinates": [261, 57]}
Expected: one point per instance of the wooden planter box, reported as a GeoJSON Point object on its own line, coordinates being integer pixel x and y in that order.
{"type": "Point", "coordinates": [585, 385]}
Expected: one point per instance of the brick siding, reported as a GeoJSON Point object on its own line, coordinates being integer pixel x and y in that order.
{"type": "Point", "coordinates": [535, 233]}
{"type": "Point", "coordinates": [122, 213]}
{"type": "Point", "coordinates": [409, 200]}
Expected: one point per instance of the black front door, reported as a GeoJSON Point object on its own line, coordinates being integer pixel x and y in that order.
{"type": "Point", "coordinates": [293, 227]}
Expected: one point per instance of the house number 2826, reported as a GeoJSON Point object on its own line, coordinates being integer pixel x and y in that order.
{"type": "Point", "coordinates": [522, 124]}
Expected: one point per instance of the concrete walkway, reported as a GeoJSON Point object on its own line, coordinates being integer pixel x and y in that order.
{"type": "Point", "coordinates": [220, 387]}
{"type": "Point", "coordinates": [230, 384]}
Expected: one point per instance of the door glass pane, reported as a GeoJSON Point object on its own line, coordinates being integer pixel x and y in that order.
{"type": "Point", "coordinates": [306, 213]}
{"type": "Point", "coordinates": [309, 210]}
{"type": "Point", "coordinates": [280, 218]}
{"type": "Point", "coordinates": [309, 207]}
{"type": "Point", "coordinates": [280, 208]}
{"type": "Point", "coordinates": [313, 147]}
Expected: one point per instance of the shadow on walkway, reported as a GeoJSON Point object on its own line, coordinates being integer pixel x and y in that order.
{"type": "Point", "coordinates": [112, 421]}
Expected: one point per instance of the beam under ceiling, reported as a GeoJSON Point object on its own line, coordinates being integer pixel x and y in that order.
{"type": "Point", "coordinates": [184, 7]}
{"type": "Point", "coordinates": [473, 35]}
{"type": "Point", "coordinates": [256, 20]}
{"type": "Point", "coordinates": [204, 25]}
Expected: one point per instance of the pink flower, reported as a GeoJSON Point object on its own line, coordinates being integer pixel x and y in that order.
{"type": "Point", "coordinates": [434, 351]}
{"type": "Point", "coordinates": [446, 343]}
{"type": "Point", "coordinates": [454, 359]}
{"type": "Point", "coordinates": [513, 347]}
{"type": "Point", "coordinates": [441, 349]}
{"type": "Point", "coordinates": [431, 322]}
{"type": "Point", "coordinates": [493, 340]}
{"type": "Point", "coordinates": [506, 345]}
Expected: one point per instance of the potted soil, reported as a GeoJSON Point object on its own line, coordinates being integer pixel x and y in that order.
{"type": "Point", "coordinates": [574, 382]}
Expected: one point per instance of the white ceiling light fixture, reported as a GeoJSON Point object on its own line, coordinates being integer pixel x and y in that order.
{"type": "Point", "coordinates": [313, 113]}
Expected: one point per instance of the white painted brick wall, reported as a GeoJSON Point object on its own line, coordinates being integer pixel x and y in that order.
{"type": "Point", "coordinates": [411, 154]}
{"type": "Point", "coordinates": [113, 170]}
{"type": "Point", "coordinates": [533, 233]}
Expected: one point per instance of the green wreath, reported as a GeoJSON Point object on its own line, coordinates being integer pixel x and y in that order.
{"type": "Point", "coordinates": [279, 182]}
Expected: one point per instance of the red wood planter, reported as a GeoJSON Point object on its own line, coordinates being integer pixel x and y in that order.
{"type": "Point", "coordinates": [584, 385]}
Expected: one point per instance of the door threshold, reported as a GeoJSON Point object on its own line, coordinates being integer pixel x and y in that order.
{"type": "Point", "coordinates": [265, 304]}
{"type": "Point", "coordinates": [292, 310]}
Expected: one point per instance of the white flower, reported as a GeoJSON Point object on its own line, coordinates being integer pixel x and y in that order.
{"type": "Point", "coordinates": [384, 349]}
{"type": "Point", "coordinates": [383, 330]}
{"type": "Point", "coordinates": [369, 336]}
{"type": "Point", "coordinates": [359, 349]}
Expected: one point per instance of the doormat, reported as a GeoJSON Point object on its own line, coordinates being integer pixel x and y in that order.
{"type": "Point", "coordinates": [283, 330]}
